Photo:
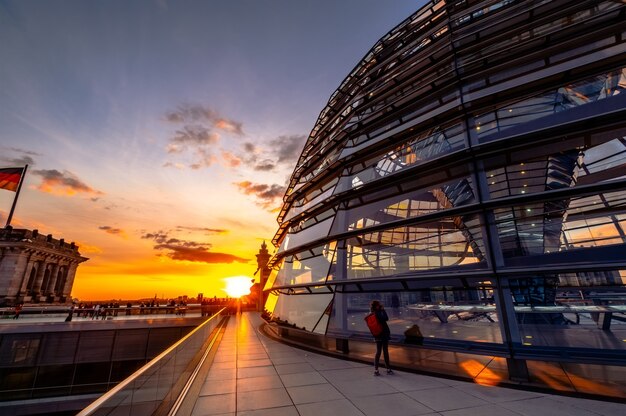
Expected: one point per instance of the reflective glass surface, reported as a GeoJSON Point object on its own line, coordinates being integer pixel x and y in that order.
{"type": "Point", "coordinates": [158, 383]}
{"type": "Point", "coordinates": [409, 205]}
{"type": "Point", "coordinates": [303, 312]}
{"type": "Point", "coordinates": [425, 146]}
{"type": "Point", "coordinates": [583, 309]}
{"type": "Point", "coordinates": [447, 242]}
{"type": "Point", "coordinates": [473, 165]}
{"type": "Point", "coordinates": [439, 313]}
{"type": "Point", "coordinates": [564, 98]}
{"type": "Point", "coordinates": [309, 266]}
{"type": "Point", "coordinates": [576, 223]}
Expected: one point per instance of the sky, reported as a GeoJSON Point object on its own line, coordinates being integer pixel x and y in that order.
{"type": "Point", "coordinates": [160, 135]}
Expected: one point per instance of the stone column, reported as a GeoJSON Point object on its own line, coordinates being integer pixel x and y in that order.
{"type": "Point", "coordinates": [69, 281]}
{"type": "Point", "coordinates": [24, 283]}
{"type": "Point", "coordinates": [49, 289]}
{"type": "Point", "coordinates": [36, 289]}
{"type": "Point", "coordinates": [60, 281]}
{"type": "Point", "coordinates": [12, 263]}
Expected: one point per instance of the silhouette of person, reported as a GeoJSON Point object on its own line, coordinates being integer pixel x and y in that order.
{"type": "Point", "coordinates": [382, 340]}
{"type": "Point", "coordinates": [17, 310]}
{"type": "Point", "coordinates": [70, 314]}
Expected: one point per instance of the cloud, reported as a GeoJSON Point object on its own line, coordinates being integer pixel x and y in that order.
{"type": "Point", "coordinates": [199, 136]}
{"type": "Point", "coordinates": [288, 148]}
{"type": "Point", "coordinates": [18, 161]}
{"type": "Point", "coordinates": [201, 255]}
{"type": "Point", "coordinates": [208, 231]}
{"type": "Point", "coordinates": [192, 137]}
{"type": "Point", "coordinates": [114, 231]}
{"type": "Point", "coordinates": [196, 113]}
{"type": "Point", "coordinates": [249, 147]}
{"type": "Point", "coordinates": [283, 150]}
{"type": "Point", "coordinates": [186, 250]}
{"type": "Point", "coordinates": [179, 166]}
{"type": "Point", "coordinates": [63, 183]}
{"type": "Point", "coordinates": [268, 195]}
{"type": "Point", "coordinates": [27, 152]}
{"type": "Point", "coordinates": [230, 159]}
{"type": "Point", "coordinates": [25, 157]}
{"type": "Point", "coordinates": [265, 166]}
{"type": "Point", "coordinates": [86, 248]}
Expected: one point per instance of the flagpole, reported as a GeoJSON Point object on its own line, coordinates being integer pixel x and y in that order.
{"type": "Point", "coordinates": [17, 193]}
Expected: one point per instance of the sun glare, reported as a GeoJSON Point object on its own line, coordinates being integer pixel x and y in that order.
{"type": "Point", "coordinates": [238, 286]}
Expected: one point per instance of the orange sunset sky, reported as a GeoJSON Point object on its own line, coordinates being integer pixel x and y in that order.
{"type": "Point", "coordinates": [160, 135]}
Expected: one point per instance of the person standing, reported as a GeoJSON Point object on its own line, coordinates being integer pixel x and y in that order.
{"type": "Point", "coordinates": [382, 340]}
{"type": "Point", "coordinates": [70, 314]}
{"type": "Point", "coordinates": [17, 310]}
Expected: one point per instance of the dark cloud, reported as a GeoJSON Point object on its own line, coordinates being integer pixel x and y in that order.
{"type": "Point", "coordinates": [288, 148]}
{"type": "Point", "coordinates": [65, 183]}
{"type": "Point", "coordinates": [24, 157]}
{"type": "Point", "coordinates": [186, 250]}
{"type": "Point", "coordinates": [200, 136]}
{"type": "Point", "coordinates": [200, 114]}
{"type": "Point", "coordinates": [268, 195]}
{"type": "Point", "coordinates": [18, 161]}
{"type": "Point", "coordinates": [265, 166]}
{"type": "Point", "coordinates": [163, 240]}
{"type": "Point", "coordinates": [192, 136]}
{"type": "Point", "coordinates": [249, 147]}
{"type": "Point", "coordinates": [200, 255]}
{"type": "Point", "coordinates": [208, 231]}
{"type": "Point", "coordinates": [111, 230]}
{"type": "Point", "coordinates": [26, 152]}
{"type": "Point", "coordinates": [283, 150]}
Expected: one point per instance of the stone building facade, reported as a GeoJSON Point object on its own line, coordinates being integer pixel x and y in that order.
{"type": "Point", "coordinates": [36, 268]}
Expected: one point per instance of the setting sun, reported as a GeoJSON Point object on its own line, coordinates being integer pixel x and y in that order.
{"type": "Point", "coordinates": [238, 286]}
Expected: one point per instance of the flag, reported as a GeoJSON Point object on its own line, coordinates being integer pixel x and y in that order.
{"type": "Point", "coordinates": [10, 178]}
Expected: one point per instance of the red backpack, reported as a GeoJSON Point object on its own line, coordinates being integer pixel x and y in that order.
{"type": "Point", "coordinates": [372, 323]}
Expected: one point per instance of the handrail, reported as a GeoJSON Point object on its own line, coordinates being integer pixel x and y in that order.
{"type": "Point", "coordinates": [192, 377]}
{"type": "Point", "coordinates": [95, 405]}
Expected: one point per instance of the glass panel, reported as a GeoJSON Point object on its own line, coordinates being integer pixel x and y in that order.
{"type": "Point", "coordinates": [452, 241]}
{"type": "Point", "coordinates": [310, 234]}
{"type": "Point", "coordinates": [549, 227]}
{"type": "Point", "coordinates": [19, 349]}
{"type": "Point", "coordinates": [54, 376]}
{"type": "Point", "coordinates": [301, 311]}
{"type": "Point", "coordinates": [310, 266]}
{"type": "Point", "coordinates": [438, 312]}
{"type": "Point", "coordinates": [518, 38]}
{"type": "Point", "coordinates": [58, 348]}
{"type": "Point", "coordinates": [564, 98]}
{"type": "Point", "coordinates": [321, 326]}
{"type": "Point", "coordinates": [426, 146]}
{"type": "Point", "coordinates": [583, 309]}
{"type": "Point", "coordinates": [606, 380]}
{"type": "Point", "coordinates": [410, 205]}
{"type": "Point", "coordinates": [581, 166]}
{"type": "Point", "coordinates": [311, 199]}
{"type": "Point", "coordinates": [154, 385]}
{"type": "Point", "coordinates": [95, 346]}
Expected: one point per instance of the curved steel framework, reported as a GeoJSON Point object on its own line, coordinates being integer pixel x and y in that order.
{"type": "Point", "coordinates": [471, 173]}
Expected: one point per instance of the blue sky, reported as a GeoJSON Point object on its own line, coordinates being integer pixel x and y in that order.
{"type": "Point", "coordinates": [160, 134]}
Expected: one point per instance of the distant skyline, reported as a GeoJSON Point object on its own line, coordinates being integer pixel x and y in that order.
{"type": "Point", "coordinates": [160, 134]}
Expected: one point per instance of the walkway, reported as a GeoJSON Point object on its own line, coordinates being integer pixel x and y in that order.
{"type": "Point", "coordinates": [254, 375]}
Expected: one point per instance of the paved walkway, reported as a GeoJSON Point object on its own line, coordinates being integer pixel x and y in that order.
{"type": "Point", "coordinates": [254, 375]}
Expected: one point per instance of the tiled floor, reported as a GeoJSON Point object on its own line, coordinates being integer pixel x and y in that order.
{"type": "Point", "coordinates": [254, 375]}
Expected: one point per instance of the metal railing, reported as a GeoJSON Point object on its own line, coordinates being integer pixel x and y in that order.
{"type": "Point", "coordinates": [155, 388]}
